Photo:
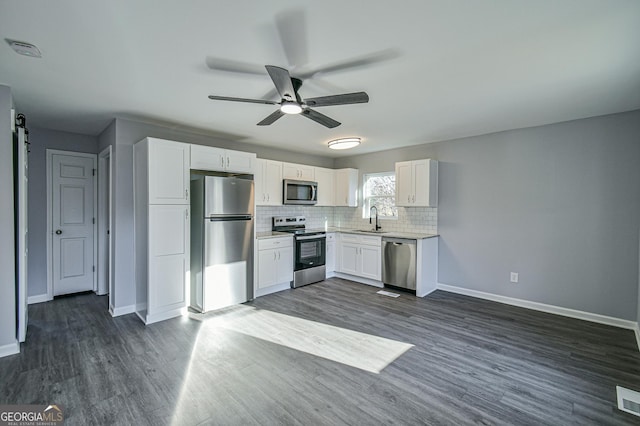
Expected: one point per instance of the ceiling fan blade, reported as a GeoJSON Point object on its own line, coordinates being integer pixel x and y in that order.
{"type": "Point", "coordinates": [362, 61]}
{"type": "Point", "coordinates": [292, 29]}
{"type": "Point", "coordinates": [271, 118]}
{"type": "Point", "coordinates": [344, 99]}
{"type": "Point", "coordinates": [229, 65]}
{"type": "Point", "coordinates": [282, 81]}
{"type": "Point", "coordinates": [320, 118]}
{"type": "Point", "coordinates": [253, 101]}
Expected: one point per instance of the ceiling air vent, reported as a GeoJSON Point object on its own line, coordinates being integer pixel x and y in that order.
{"type": "Point", "coordinates": [628, 400]}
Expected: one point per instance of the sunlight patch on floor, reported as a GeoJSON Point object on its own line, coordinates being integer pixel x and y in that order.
{"type": "Point", "coordinates": [364, 351]}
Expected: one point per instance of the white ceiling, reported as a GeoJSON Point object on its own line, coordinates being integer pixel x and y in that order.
{"type": "Point", "coordinates": [456, 68]}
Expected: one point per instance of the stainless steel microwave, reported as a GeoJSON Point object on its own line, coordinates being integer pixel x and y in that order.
{"type": "Point", "coordinates": [299, 192]}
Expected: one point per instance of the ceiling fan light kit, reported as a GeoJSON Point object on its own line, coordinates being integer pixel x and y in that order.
{"type": "Point", "coordinates": [290, 108]}
{"type": "Point", "coordinates": [23, 48]}
{"type": "Point", "coordinates": [344, 143]}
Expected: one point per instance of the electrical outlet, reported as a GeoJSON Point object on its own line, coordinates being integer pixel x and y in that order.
{"type": "Point", "coordinates": [514, 277]}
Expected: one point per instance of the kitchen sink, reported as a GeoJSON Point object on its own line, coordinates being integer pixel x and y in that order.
{"type": "Point", "coordinates": [371, 231]}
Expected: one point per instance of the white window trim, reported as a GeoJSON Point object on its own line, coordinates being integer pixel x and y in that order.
{"type": "Point", "coordinates": [365, 211]}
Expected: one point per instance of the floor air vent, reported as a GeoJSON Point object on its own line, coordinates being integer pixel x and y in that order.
{"type": "Point", "coordinates": [628, 400]}
{"type": "Point", "coordinates": [388, 293]}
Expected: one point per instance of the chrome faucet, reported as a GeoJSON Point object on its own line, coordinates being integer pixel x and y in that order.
{"type": "Point", "coordinates": [374, 207]}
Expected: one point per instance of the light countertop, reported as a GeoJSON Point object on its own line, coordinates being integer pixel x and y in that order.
{"type": "Point", "coordinates": [392, 234]}
{"type": "Point", "coordinates": [272, 234]}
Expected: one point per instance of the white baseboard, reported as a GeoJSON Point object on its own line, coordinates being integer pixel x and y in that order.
{"type": "Point", "coordinates": [536, 306]}
{"type": "Point", "coordinates": [10, 349]}
{"type": "Point", "coordinates": [360, 280]}
{"type": "Point", "coordinates": [39, 298]}
{"type": "Point", "coordinates": [259, 292]}
{"type": "Point", "coordinates": [122, 310]}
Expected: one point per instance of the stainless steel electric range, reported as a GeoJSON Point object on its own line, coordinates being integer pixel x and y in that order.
{"type": "Point", "coordinates": [310, 249]}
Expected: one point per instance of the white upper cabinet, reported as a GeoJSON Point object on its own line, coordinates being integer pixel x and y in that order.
{"type": "Point", "coordinates": [297, 172]}
{"type": "Point", "coordinates": [417, 183]}
{"type": "Point", "coordinates": [223, 160]}
{"type": "Point", "coordinates": [346, 192]}
{"type": "Point", "coordinates": [268, 182]}
{"type": "Point", "coordinates": [167, 171]}
{"type": "Point", "coordinates": [326, 186]}
{"type": "Point", "coordinates": [240, 162]}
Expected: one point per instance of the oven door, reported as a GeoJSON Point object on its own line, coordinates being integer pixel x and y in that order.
{"type": "Point", "coordinates": [310, 251]}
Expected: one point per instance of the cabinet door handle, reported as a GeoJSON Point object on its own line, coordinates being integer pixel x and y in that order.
{"type": "Point", "coordinates": [268, 197]}
{"type": "Point", "coordinates": [186, 213]}
{"type": "Point", "coordinates": [186, 194]}
{"type": "Point", "coordinates": [222, 161]}
{"type": "Point", "coordinates": [413, 198]}
{"type": "Point", "coordinates": [227, 162]}
{"type": "Point", "coordinates": [278, 255]}
{"type": "Point", "coordinates": [274, 255]}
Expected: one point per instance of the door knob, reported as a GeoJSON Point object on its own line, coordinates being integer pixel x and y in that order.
{"type": "Point", "coordinates": [58, 231]}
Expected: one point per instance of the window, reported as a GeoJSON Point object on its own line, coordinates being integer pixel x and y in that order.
{"type": "Point", "coordinates": [380, 191]}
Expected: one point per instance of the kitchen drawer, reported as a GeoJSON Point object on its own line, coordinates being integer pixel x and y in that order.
{"type": "Point", "coordinates": [369, 240]}
{"type": "Point", "coordinates": [271, 243]}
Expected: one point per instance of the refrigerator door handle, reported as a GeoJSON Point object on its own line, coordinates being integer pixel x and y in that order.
{"type": "Point", "coordinates": [230, 218]}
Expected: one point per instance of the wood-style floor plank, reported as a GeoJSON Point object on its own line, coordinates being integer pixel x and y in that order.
{"type": "Point", "coordinates": [472, 362]}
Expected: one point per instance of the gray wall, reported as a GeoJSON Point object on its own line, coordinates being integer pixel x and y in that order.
{"type": "Point", "coordinates": [122, 139]}
{"type": "Point", "coordinates": [559, 204]}
{"type": "Point", "coordinates": [41, 140]}
{"type": "Point", "coordinates": [7, 236]}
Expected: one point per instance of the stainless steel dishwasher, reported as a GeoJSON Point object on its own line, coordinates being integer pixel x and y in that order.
{"type": "Point", "coordinates": [399, 262]}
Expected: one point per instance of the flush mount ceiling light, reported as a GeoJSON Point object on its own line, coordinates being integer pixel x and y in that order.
{"type": "Point", "coordinates": [22, 48]}
{"type": "Point", "coordinates": [290, 108]}
{"type": "Point", "coordinates": [344, 143]}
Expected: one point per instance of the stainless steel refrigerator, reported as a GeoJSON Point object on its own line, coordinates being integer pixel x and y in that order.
{"type": "Point", "coordinates": [222, 222]}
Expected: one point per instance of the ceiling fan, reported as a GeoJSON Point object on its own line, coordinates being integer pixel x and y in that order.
{"type": "Point", "coordinates": [291, 102]}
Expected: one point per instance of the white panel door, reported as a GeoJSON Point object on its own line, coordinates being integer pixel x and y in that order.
{"type": "Point", "coordinates": [72, 223]}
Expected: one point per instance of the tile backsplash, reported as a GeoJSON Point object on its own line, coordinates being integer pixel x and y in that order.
{"type": "Point", "coordinates": [413, 219]}
{"type": "Point", "coordinates": [317, 217]}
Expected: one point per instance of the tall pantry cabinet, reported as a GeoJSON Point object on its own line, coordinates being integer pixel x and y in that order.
{"type": "Point", "coordinates": [161, 222]}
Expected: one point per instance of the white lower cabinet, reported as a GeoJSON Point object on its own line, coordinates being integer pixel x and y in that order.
{"type": "Point", "coordinates": [166, 268]}
{"type": "Point", "coordinates": [360, 255]}
{"type": "Point", "coordinates": [275, 262]}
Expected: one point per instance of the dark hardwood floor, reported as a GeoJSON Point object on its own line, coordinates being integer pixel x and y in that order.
{"type": "Point", "coordinates": [473, 362]}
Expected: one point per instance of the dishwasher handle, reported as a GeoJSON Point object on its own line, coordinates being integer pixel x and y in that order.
{"type": "Point", "coordinates": [399, 241]}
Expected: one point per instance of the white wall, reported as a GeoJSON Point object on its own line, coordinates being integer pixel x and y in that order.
{"type": "Point", "coordinates": [7, 236]}
{"type": "Point", "coordinates": [559, 204]}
